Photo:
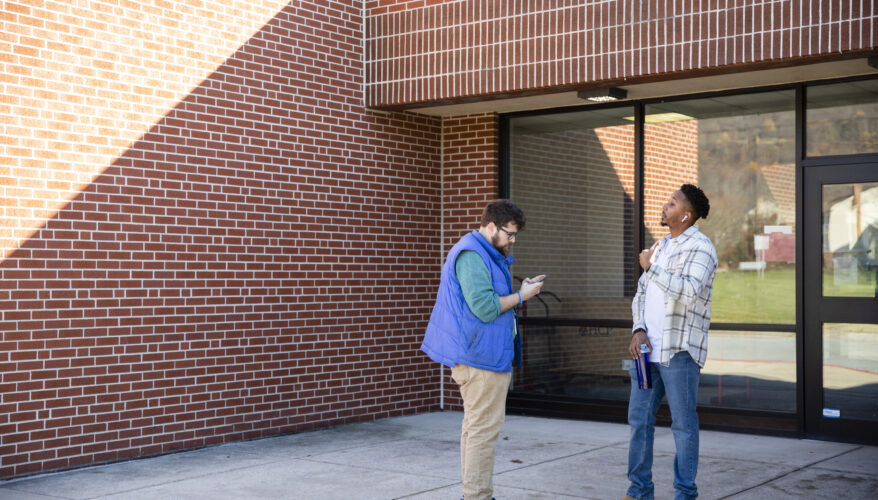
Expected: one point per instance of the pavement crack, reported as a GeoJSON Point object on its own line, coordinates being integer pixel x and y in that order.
{"type": "Point", "coordinates": [410, 495]}
{"type": "Point", "coordinates": [797, 469]}
{"type": "Point", "coordinates": [555, 459]}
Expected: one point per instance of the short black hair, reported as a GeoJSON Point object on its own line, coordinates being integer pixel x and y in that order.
{"type": "Point", "coordinates": [502, 212]}
{"type": "Point", "coordinates": [697, 199]}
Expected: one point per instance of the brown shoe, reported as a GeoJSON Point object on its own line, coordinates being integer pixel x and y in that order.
{"type": "Point", "coordinates": [626, 497]}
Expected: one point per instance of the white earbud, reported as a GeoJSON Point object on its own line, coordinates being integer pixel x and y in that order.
{"type": "Point", "coordinates": [685, 217]}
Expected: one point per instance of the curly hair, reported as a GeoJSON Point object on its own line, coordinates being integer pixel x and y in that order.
{"type": "Point", "coordinates": [700, 203]}
{"type": "Point", "coordinates": [501, 212]}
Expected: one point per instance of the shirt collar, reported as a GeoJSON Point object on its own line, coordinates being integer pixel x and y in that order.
{"type": "Point", "coordinates": [685, 235]}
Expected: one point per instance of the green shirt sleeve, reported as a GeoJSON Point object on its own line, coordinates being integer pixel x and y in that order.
{"type": "Point", "coordinates": [475, 281]}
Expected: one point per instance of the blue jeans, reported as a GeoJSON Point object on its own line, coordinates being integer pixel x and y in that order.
{"type": "Point", "coordinates": [679, 382]}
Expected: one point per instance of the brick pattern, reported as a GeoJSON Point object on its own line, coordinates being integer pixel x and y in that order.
{"type": "Point", "coordinates": [427, 52]}
{"type": "Point", "coordinates": [206, 235]}
{"type": "Point", "coordinates": [577, 189]}
{"type": "Point", "coordinates": [670, 158]}
{"type": "Point", "coordinates": [780, 178]}
{"type": "Point", "coordinates": [80, 85]}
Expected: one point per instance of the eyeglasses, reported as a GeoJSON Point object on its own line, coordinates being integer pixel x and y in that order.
{"type": "Point", "coordinates": [509, 235]}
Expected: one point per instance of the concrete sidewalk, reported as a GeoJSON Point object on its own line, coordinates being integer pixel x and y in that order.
{"type": "Point", "coordinates": [417, 457]}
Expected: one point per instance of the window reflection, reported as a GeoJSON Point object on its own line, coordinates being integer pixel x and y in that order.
{"type": "Point", "coordinates": [850, 240]}
{"type": "Point", "coordinates": [850, 371]}
{"type": "Point", "coordinates": [753, 370]}
{"type": "Point", "coordinates": [842, 118]}
{"type": "Point", "coordinates": [575, 361]}
{"type": "Point", "coordinates": [573, 175]}
{"type": "Point", "coordinates": [740, 151]}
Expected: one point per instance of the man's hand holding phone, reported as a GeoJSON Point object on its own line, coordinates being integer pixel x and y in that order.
{"type": "Point", "coordinates": [532, 286]}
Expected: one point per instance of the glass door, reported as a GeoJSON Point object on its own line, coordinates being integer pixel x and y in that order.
{"type": "Point", "coordinates": [841, 301]}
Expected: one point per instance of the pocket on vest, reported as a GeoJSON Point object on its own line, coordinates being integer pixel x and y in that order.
{"type": "Point", "coordinates": [486, 350]}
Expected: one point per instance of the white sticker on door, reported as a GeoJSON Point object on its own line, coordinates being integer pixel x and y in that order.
{"type": "Point", "coordinates": [832, 413]}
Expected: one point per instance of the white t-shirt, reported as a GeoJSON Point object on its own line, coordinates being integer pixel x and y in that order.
{"type": "Point", "coordinates": [654, 313]}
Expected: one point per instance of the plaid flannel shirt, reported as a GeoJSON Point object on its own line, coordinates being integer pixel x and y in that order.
{"type": "Point", "coordinates": [687, 284]}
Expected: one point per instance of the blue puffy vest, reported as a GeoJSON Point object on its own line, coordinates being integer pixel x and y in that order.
{"type": "Point", "coordinates": [456, 335]}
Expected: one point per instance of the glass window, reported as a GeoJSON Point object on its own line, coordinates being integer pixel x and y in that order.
{"type": "Point", "coordinates": [850, 371]}
{"type": "Point", "coordinates": [573, 175]}
{"type": "Point", "coordinates": [575, 361]}
{"type": "Point", "coordinates": [842, 118]}
{"type": "Point", "coordinates": [751, 370]}
{"type": "Point", "coordinates": [850, 240]}
{"type": "Point", "coordinates": [741, 151]}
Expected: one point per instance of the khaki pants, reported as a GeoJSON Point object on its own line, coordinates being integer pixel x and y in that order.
{"type": "Point", "coordinates": [484, 409]}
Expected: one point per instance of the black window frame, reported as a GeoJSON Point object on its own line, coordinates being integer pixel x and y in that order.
{"type": "Point", "coordinates": [728, 419]}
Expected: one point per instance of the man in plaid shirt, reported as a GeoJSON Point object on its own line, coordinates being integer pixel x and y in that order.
{"type": "Point", "coordinates": [671, 313]}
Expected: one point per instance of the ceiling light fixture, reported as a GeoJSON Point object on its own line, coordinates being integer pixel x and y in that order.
{"type": "Point", "coordinates": [603, 95]}
{"type": "Point", "coordinates": [661, 117]}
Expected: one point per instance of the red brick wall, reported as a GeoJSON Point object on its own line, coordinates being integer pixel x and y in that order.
{"type": "Point", "coordinates": [469, 172]}
{"type": "Point", "coordinates": [206, 236]}
{"type": "Point", "coordinates": [425, 51]}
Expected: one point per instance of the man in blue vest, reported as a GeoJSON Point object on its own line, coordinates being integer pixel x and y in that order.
{"type": "Point", "coordinates": [474, 331]}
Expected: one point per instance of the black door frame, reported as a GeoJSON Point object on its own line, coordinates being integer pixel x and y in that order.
{"type": "Point", "coordinates": [818, 309]}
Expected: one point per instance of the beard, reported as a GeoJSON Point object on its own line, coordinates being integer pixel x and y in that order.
{"type": "Point", "coordinates": [495, 241]}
